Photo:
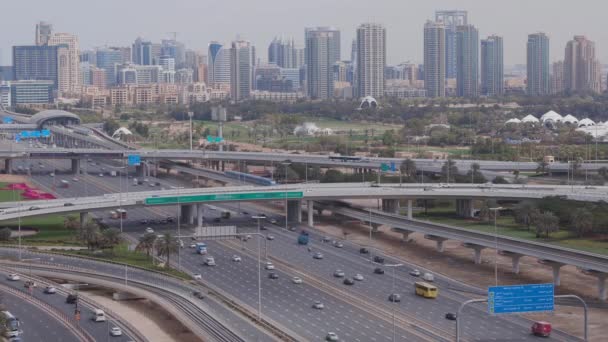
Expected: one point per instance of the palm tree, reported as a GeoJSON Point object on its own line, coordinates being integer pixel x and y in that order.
{"type": "Point", "coordinates": [524, 213]}
{"type": "Point", "coordinates": [110, 237]}
{"type": "Point", "coordinates": [165, 246]}
{"type": "Point", "coordinates": [449, 170]}
{"type": "Point", "coordinates": [582, 220]}
{"type": "Point", "coordinates": [546, 223]}
{"type": "Point", "coordinates": [146, 243]}
{"type": "Point", "coordinates": [71, 222]}
{"type": "Point", "coordinates": [408, 168]}
{"type": "Point", "coordinates": [90, 234]}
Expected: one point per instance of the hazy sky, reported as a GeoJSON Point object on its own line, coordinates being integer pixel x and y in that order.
{"type": "Point", "coordinates": [119, 22]}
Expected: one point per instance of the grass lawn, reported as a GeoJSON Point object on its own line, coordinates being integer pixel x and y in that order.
{"type": "Point", "coordinates": [122, 254]}
{"type": "Point", "coordinates": [9, 195]}
{"type": "Point", "coordinates": [507, 227]}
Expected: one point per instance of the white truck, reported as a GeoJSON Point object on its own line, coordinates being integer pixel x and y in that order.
{"type": "Point", "coordinates": [113, 173]}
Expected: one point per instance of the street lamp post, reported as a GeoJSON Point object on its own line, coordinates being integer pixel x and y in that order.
{"type": "Point", "coordinates": [190, 114]}
{"type": "Point", "coordinates": [393, 266]}
{"type": "Point", "coordinates": [496, 210]}
{"type": "Point", "coordinates": [257, 217]}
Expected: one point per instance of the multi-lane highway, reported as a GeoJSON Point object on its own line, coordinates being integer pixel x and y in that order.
{"type": "Point", "coordinates": [284, 302]}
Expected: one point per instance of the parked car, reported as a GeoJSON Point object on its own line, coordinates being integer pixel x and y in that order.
{"type": "Point", "coordinates": [378, 270]}
{"type": "Point", "coordinates": [541, 328]}
{"type": "Point", "coordinates": [363, 250]}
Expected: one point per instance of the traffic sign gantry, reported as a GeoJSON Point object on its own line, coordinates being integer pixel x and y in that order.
{"type": "Point", "coordinates": [134, 159]}
{"type": "Point", "coordinates": [520, 298]}
{"type": "Point", "coordinates": [224, 197]}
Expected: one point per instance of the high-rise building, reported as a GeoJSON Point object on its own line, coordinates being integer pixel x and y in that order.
{"type": "Point", "coordinates": [434, 59]}
{"type": "Point", "coordinates": [37, 63]}
{"type": "Point", "coordinates": [371, 60]}
{"type": "Point", "coordinates": [451, 20]}
{"type": "Point", "coordinates": [44, 31]}
{"type": "Point", "coordinates": [141, 51]}
{"type": "Point", "coordinates": [467, 61]}
{"type": "Point", "coordinates": [175, 49]}
{"type": "Point", "coordinates": [492, 66]}
{"type": "Point", "coordinates": [557, 77]}
{"type": "Point", "coordinates": [32, 92]}
{"type": "Point", "coordinates": [284, 53]}
{"type": "Point", "coordinates": [322, 52]}
{"type": "Point", "coordinates": [98, 77]}
{"type": "Point", "coordinates": [71, 83]}
{"type": "Point", "coordinates": [241, 69]}
{"type": "Point", "coordinates": [582, 71]}
{"type": "Point", "coordinates": [218, 66]}
{"type": "Point", "coordinates": [5, 94]}
{"type": "Point", "coordinates": [109, 59]}
{"type": "Point", "coordinates": [537, 64]}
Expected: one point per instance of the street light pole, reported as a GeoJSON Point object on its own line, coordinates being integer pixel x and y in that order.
{"type": "Point", "coordinates": [392, 295]}
{"type": "Point", "coordinates": [190, 114]}
{"type": "Point", "coordinates": [259, 269]}
{"type": "Point", "coordinates": [496, 210]}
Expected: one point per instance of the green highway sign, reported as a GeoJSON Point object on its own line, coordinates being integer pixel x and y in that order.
{"type": "Point", "coordinates": [224, 197]}
{"type": "Point", "coordinates": [384, 167]}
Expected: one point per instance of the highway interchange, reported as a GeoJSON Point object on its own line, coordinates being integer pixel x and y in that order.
{"type": "Point", "coordinates": [290, 304]}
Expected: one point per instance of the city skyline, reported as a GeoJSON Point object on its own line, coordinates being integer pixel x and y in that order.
{"type": "Point", "coordinates": [402, 46]}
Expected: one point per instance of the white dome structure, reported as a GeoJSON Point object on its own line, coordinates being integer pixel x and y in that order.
{"type": "Point", "coordinates": [513, 121]}
{"type": "Point", "coordinates": [586, 122]}
{"type": "Point", "coordinates": [551, 116]}
{"type": "Point", "coordinates": [368, 102]}
{"type": "Point", "coordinates": [530, 118]}
{"type": "Point", "coordinates": [570, 119]}
{"type": "Point", "coordinates": [120, 132]}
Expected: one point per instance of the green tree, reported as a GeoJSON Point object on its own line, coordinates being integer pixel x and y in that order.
{"type": "Point", "coordinates": [449, 171]}
{"type": "Point", "coordinates": [165, 246]}
{"type": "Point", "coordinates": [581, 220]}
{"type": "Point", "coordinates": [332, 176]}
{"type": "Point", "coordinates": [146, 243]}
{"type": "Point", "coordinates": [546, 223]}
{"type": "Point", "coordinates": [408, 168]}
{"type": "Point", "coordinates": [475, 175]}
{"type": "Point", "coordinates": [388, 138]}
{"type": "Point", "coordinates": [543, 167]}
{"type": "Point", "coordinates": [110, 237]}
{"type": "Point", "coordinates": [5, 234]}
{"type": "Point", "coordinates": [91, 234]}
{"type": "Point", "coordinates": [71, 222]}
{"type": "Point", "coordinates": [524, 213]}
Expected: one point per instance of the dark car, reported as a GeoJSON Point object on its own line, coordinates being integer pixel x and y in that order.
{"type": "Point", "coordinates": [378, 270]}
{"type": "Point", "coordinates": [363, 250]}
{"type": "Point", "coordinates": [348, 281]}
{"type": "Point", "coordinates": [217, 219]}
{"type": "Point", "coordinates": [71, 299]}
{"type": "Point", "coordinates": [198, 294]}
{"type": "Point", "coordinates": [170, 219]}
{"type": "Point", "coordinates": [273, 275]}
{"type": "Point", "coordinates": [394, 297]}
{"type": "Point", "coordinates": [451, 316]}
{"type": "Point", "coordinates": [143, 221]}
{"type": "Point", "coordinates": [68, 204]}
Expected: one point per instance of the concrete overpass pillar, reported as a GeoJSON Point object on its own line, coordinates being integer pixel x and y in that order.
{"type": "Point", "coordinates": [438, 239]}
{"type": "Point", "coordinates": [310, 212]}
{"type": "Point", "coordinates": [75, 166]}
{"type": "Point", "coordinates": [8, 166]}
{"type": "Point", "coordinates": [83, 218]}
{"type": "Point", "coordinates": [601, 286]}
{"type": "Point", "coordinates": [477, 251]}
{"type": "Point", "coordinates": [406, 234]}
{"type": "Point", "coordinates": [409, 209]}
{"type": "Point", "coordinates": [200, 209]}
{"type": "Point", "coordinates": [187, 213]}
{"type": "Point", "coordinates": [294, 211]}
{"type": "Point", "coordinates": [515, 257]}
{"type": "Point", "coordinates": [555, 266]}
{"type": "Point", "coordinates": [390, 206]}
{"type": "Point", "coordinates": [223, 165]}
{"type": "Point", "coordinates": [464, 208]}
{"type": "Point", "coordinates": [139, 170]}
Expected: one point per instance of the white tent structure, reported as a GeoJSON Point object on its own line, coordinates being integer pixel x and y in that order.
{"type": "Point", "coordinates": [530, 118]}
{"type": "Point", "coordinates": [513, 121]}
{"type": "Point", "coordinates": [570, 119]}
{"type": "Point", "coordinates": [120, 132]}
{"type": "Point", "coordinates": [586, 122]}
{"type": "Point", "coordinates": [551, 116]}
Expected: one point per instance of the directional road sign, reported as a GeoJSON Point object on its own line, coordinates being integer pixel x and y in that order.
{"type": "Point", "coordinates": [520, 298]}
{"type": "Point", "coordinates": [384, 167]}
{"type": "Point", "coordinates": [212, 139]}
{"type": "Point", "coordinates": [224, 197]}
{"type": "Point", "coordinates": [134, 159]}
{"type": "Point", "coordinates": [7, 120]}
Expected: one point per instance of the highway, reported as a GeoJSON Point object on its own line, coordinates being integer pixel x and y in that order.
{"type": "Point", "coordinates": [373, 294]}
{"type": "Point", "coordinates": [37, 324]}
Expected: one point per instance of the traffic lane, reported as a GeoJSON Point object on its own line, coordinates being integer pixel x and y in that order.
{"type": "Point", "coordinates": [98, 330]}
{"type": "Point", "coordinates": [37, 325]}
{"type": "Point", "coordinates": [287, 303]}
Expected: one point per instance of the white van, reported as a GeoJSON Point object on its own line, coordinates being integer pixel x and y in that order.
{"type": "Point", "coordinates": [99, 315]}
{"type": "Point", "coordinates": [210, 261]}
{"type": "Point", "coordinates": [428, 277]}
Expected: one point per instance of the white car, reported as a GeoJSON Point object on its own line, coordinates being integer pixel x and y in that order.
{"type": "Point", "coordinates": [149, 230]}
{"type": "Point", "coordinates": [115, 331]}
{"type": "Point", "coordinates": [13, 277]}
{"type": "Point", "coordinates": [358, 277]}
{"type": "Point", "coordinates": [197, 276]}
{"type": "Point", "coordinates": [210, 261]}
{"type": "Point", "coordinates": [193, 245]}
{"type": "Point", "coordinates": [236, 258]}
{"type": "Point", "coordinates": [269, 266]}
{"type": "Point", "coordinates": [296, 280]}
{"type": "Point", "coordinates": [273, 221]}
{"type": "Point", "coordinates": [101, 175]}
{"type": "Point", "coordinates": [332, 336]}
{"type": "Point", "coordinates": [415, 273]}
{"type": "Point", "coordinates": [318, 305]}
{"type": "Point", "coordinates": [50, 290]}
{"type": "Point", "coordinates": [339, 274]}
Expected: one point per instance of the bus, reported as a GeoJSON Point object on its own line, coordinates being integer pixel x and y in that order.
{"type": "Point", "coordinates": [12, 325]}
{"type": "Point", "coordinates": [201, 248]}
{"type": "Point", "coordinates": [426, 290]}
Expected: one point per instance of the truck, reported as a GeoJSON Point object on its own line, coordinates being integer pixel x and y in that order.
{"type": "Point", "coordinates": [303, 238]}
{"type": "Point", "coordinates": [135, 182]}
{"type": "Point", "coordinates": [201, 248]}
{"type": "Point", "coordinates": [225, 214]}
{"type": "Point", "coordinates": [113, 173]}
{"type": "Point", "coordinates": [12, 325]}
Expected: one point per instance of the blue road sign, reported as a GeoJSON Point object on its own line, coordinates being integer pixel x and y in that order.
{"type": "Point", "coordinates": [45, 133]}
{"type": "Point", "coordinates": [7, 120]}
{"type": "Point", "coordinates": [134, 159]}
{"type": "Point", "coordinates": [520, 298]}
{"type": "Point", "coordinates": [393, 167]}
{"type": "Point", "coordinates": [17, 137]}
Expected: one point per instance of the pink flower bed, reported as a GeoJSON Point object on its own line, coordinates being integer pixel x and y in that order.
{"type": "Point", "coordinates": [29, 193]}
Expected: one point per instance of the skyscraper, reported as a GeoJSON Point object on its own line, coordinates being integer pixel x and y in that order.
{"type": "Point", "coordinates": [37, 63]}
{"type": "Point", "coordinates": [581, 68]}
{"type": "Point", "coordinates": [241, 69]}
{"type": "Point", "coordinates": [492, 67]}
{"type": "Point", "coordinates": [108, 59]}
{"type": "Point", "coordinates": [218, 65]}
{"type": "Point", "coordinates": [70, 83]}
{"type": "Point", "coordinates": [451, 20]}
{"type": "Point", "coordinates": [538, 64]}
{"type": "Point", "coordinates": [434, 59]}
{"type": "Point", "coordinates": [371, 60]}
{"type": "Point", "coordinates": [322, 51]}
{"type": "Point", "coordinates": [43, 33]}
{"type": "Point", "coordinates": [175, 49]}
{"type": "Point", "coordinates": [557, 77]}
{"type": "Point", "coordinates": [467, 61]}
